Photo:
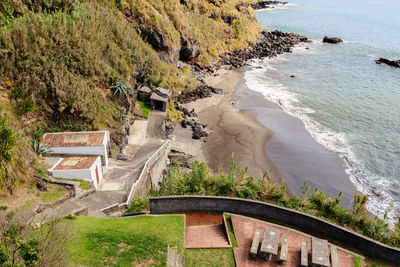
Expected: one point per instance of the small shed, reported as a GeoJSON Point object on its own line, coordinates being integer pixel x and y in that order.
{"type": "Point", "coordinates": [160, 98]}
{"type": "Point", "coordinates": [81, 168]}
{"type": "Point", "coordinates": [144, 94]}
{"type": "Point", "coordinates": [73, 144]}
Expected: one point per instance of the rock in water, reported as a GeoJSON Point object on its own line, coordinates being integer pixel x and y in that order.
{"type": "Point", "coordinates": [393, 63]}
{"type": "Point", "coordinates": [332, 40]}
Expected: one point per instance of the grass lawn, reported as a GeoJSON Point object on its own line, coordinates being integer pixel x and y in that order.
{"type": "Point", "coordinates": [125, 241]}
{"type": "Point", "coordinates": [216, 257]}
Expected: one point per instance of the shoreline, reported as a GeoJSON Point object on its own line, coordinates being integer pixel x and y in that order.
{"type": "Point", "coordinates": [264, 138]}
{"type": "Point", "coordinates": [233, 131]}
{"type": "Point", "coordinates": [298, 156]}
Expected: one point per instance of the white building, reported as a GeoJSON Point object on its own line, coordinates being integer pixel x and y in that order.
{"type": "Point", "coordinates": [81, 168]}
{"type": "Point", "coordinates": [73, 144]}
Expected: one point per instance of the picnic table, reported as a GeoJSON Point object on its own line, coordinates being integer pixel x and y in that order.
{"type": "Point", "coordinates": [270, 243]}
{"type": "Point", "coordinates": [319, 252]}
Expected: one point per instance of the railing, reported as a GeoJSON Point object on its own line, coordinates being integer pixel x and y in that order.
{"type": "Point", "coordinates": [142, 174]}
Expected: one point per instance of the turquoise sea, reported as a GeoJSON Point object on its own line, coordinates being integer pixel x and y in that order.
{"type": "Point", "coordinates": [347, 102]}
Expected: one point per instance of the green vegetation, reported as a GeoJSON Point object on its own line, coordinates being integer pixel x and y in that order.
{"type": "Point", "coordinates": [357, 261]}
{"type": "Point", "coordinates": [8, 140]}
{"type": "Point", "coordinates": [217, 257]}
{"type": "Point", "coordinates": [23, 245]}
{"type": "Point", "coordinates": [14, 156]}
{"type": "Point", "coordinates": [125, 241]}
{"type": "Point", "coordinates": [138, 204]}
{"type": "Point", "coordinates": [84, 185]}
{"type": "Point", "coordinates": [230, 231]}
{"type": "Point", "coordinates": [3, 208]}
{"type": "Point", "coordinates": [53, 195]}
{"type": "Point", "coordinates": [201, 181]}
{"type": "Point", "coordinates": [73, 65]}
{"type": "Point", "coordinates": [173, 115]}
{"type": "Point", "coordinates": [144, 108]}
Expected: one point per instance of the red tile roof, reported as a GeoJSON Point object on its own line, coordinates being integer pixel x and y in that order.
{"type": "Point", "coordinates": [73, 139]}
{"type": "Point", "coordinates": [77, 163]}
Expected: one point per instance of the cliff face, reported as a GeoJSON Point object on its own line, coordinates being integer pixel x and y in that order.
{"type": "Point", "coordinates": [75, 64]}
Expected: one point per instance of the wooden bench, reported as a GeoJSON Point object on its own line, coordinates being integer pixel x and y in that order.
{"type": "Point", "coordinates": [270, 243]}
{"type": "Point", "coordinates": [284, 250]}
{"type": "Point", "coordinates": [334, 256]}
{"type": "Point", "coordinates": [304, 253]}
{"type": "Point", "coordinates": [255, 244]}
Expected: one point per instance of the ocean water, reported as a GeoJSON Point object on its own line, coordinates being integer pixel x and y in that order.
{"type": "Point", "coordinates": [348, 103]}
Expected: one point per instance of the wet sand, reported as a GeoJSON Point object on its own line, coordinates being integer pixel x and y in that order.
{"type": "Point", "coordinates": [297, 155]}
{"type": "Point", "coordinates": [232, 132]}
{"type": "Point", "coordinates": [264, 138]}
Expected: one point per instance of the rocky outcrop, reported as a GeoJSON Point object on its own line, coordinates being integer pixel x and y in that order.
{"type": "Point", "coordinates": [190, 48]}
{"type": "Point", "coordinates": [393, 63]}
{"type": "Point", "coordinates": [267, 4]}
{"type": "Point", "coordinates": [332, 40]}
{"type": "Point", "coordinates": [269, 44]}
{"type": "Point", "coordinates": [201, 91]}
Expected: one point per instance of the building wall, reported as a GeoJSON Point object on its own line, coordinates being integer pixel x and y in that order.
{"type": "Point", "coordinates": [73, 174]}
{"type": "Point", "coordinates": [293, 218]}
{"type": "Point", "coordinates": [82, 150]}
{"type": "Point", "coordinates": [86, 174]}
{"type": "Point", "coordinates": [97, 164]}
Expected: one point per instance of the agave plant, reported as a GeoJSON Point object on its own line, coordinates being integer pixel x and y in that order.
{"type": "Point", "coordinates": [39, 149]}
{"type": "Point", "coordinates": [121, 88]}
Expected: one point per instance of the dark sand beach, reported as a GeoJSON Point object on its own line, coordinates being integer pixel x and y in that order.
{"type": "Point", "coordinates": [265, 139]}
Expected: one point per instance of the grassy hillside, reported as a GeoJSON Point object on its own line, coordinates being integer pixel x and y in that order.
{"type": "Point", "coordinates": [75, 64]}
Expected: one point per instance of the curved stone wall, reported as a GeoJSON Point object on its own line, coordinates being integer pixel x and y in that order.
{"type": "Point", "coordinates": [307, 223]}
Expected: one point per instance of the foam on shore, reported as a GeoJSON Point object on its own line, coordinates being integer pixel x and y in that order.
{"type": "Point", "coordinates": [380, 200]}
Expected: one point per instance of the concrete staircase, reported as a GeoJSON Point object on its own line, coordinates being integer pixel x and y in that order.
{"type": "Point", "coordinates": [175, 260]}
{"type": "Point", "coordinates": [184, 146]}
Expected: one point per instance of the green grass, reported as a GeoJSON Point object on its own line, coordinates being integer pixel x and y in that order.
{"type": "Point", "coordinates": [144, 107]}
{"type": "Point", "coordinates": [53, 195]}
{"type": "Point", "coordinates": [215, 257]}
{"type": "Point", "coordinates": [357, 261]}
{"type": "Point", "coordinates": [137, 205]}
{"type": "Point", "coordinates": [230, 231]}
{"type": "Point", "coordinates": [125, 241]}
{"type": "Point", "coordinates": [84, 185]}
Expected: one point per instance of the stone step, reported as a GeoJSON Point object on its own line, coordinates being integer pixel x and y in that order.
{"type": "Point", "coordinates": [173, 259]}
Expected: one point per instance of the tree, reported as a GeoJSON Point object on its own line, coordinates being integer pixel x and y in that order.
{"type": "Point", "coordinates": [22, 244]}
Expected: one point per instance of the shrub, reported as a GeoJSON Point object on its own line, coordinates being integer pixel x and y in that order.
{"type": "Point", "coordinates": [7, 148]}
{"type": "Point", "coordinates": [39, 149]}
{"type": "Point", "coordinates": [199, 180]}
{"type": "Point", "coordinates": [144, 108]}
{"type": "Point", "coordinates": [137, 205]}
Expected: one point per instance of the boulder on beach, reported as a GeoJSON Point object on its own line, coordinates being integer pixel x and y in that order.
{"type": "Point", "coordinates": [332, 40]}
{"type": "Point", "coordinates": [393, 63]}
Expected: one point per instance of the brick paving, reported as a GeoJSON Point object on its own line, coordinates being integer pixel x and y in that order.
{"type": "Point", "coordinates": [205, 230]}
{"type": "Point", "coordinates": [244, 229]}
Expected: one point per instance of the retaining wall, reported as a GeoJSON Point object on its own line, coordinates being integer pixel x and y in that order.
{"type": "Point", "coordinates": [150, 175]}
{"type": "Point", "coordinates": [305, 222]}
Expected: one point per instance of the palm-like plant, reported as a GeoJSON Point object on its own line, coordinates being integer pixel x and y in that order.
{"type": "Point", "coordinates": [121, 89]}
{"type": "Point", "coordinates": [39, 149]}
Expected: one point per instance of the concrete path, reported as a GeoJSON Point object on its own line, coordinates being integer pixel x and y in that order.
{"type": "Point", "coordinates": [145, 139]}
